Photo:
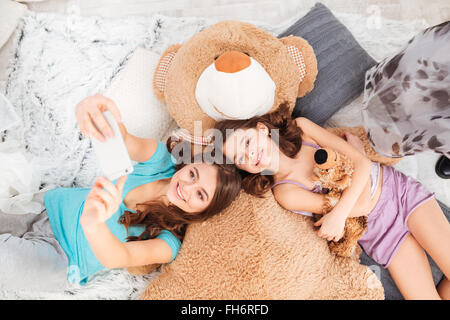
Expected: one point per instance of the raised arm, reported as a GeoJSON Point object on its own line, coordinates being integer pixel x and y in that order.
{"type": "Point", "coordinates": [89, 114]}
{"type": "Point", "coordinates": [139, 149]}
{"type": "Point", "coordinates": [99, 206]}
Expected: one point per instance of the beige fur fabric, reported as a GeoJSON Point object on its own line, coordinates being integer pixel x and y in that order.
{"type": "Point", "coordinates": [257, 250]}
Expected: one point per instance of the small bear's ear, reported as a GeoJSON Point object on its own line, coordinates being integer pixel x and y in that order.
{"type": "Point", "coordinates": [303, 56]}
{"type": "Point", "coordinates": [162, 70]}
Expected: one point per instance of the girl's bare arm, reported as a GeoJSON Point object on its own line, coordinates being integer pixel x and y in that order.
{"type": "Point", "coordinates": [362, 164]}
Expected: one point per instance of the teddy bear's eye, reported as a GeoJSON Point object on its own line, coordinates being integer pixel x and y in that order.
{"type": "Point", "coordinates": [215, 58]}
{"type": "Point", "coordinates": [247, 53]}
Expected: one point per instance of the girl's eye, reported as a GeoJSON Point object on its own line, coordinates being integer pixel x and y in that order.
{"type": "Point", "coordinates": [192, 175]}
{"type": "Point", "coordinates": [200, 195]}
{"type": "Point", "coordinates": [327, 170]}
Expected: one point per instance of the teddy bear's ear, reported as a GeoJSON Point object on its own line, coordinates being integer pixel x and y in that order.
{"type": "Point", "coordinates": [303, 55]}
{"type": "Point", "coordinates": [162, 70]}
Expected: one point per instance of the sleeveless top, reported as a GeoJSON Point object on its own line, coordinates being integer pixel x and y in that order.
{"type": "Point", "coordinates": [374, 175]}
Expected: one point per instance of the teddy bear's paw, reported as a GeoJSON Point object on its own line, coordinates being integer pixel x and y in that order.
{"type": "Point", "coordinates": [341, 249]}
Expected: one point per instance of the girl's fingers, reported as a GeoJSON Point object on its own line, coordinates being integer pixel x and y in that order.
{"type": "Point", "coordinates": [114, 190]}
{"type": "Point", "coordinates": [108, 104]}
{"type": "Point", "coordinates": [107, 199]}
{"type": "Point", "coordinates": [100, 121]}
{"type": "Point", "coordinates": [92, 130]}
{"type": "Point", "coordinates": [109, 186]}
{"type": "Point", "coordinates": [83, 130]}
{"type": "Point", "coordinates": [98, 204]}
{"type": "Point", "coordinates": [318, 223]}
{"type": "Point", "coordinates": [121, 183]}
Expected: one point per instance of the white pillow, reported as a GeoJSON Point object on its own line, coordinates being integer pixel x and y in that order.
{"type": "Point", "coordinates": [132, 91]}
{"type": "Point", "coordinates": [10, 13]}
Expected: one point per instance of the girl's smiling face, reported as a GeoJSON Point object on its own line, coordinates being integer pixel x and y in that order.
{"type": "Point", "coordinates": [192, 187]}
{"type": "Point", "coordinates": [252, 150]}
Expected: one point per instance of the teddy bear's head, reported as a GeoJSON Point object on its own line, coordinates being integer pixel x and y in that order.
{"type": "Point", "coordinates": [332, 169]}
{"type": "Point", "coordinates": [232, 70]}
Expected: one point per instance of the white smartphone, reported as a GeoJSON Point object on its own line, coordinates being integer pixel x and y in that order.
{"type": "Point", "coordinates": [112, 155]}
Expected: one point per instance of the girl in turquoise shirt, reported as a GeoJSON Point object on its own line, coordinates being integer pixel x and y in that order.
{"type": "Point", "coordinates": [87, 230]}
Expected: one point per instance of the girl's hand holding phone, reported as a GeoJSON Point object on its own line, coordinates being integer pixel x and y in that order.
{"type": "Point", "coordinates": [102, 202]}
{"type": "Point", "coordinates": [90, 118]}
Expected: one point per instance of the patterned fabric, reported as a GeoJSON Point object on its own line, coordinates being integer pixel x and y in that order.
{"type": "Point", "coordinates": [161, 72]}
{"type": "Point", "coordinates": [407, 97]}
{"type": "Point", "coordinates": [298, 60]}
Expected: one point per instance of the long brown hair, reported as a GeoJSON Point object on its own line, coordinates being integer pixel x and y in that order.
{"type": "Point", "coordinates": [155, 215]}
{"type": "Point", "coordinates": [289, 142]}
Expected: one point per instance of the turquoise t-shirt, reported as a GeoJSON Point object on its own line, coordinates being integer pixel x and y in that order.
{"type": "Point", "coordinates": [65, 205]}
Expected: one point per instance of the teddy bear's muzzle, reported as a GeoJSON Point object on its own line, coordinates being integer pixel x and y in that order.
{"type": "Point", "coordinates": [235, 86]}
{"type": "Point", "coordinates": [326, 158]}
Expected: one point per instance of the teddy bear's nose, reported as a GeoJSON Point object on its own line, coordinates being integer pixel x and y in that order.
{"type": "Point", "coordinates": [232, 61]}
{"type": "Point", "coordinates": [321, 156]}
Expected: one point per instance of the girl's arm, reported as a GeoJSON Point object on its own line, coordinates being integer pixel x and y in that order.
{"type": "Point", "coordinates": [333, 223]}
{"type": "Point", "coordinates": [291, 197]}
{"type": "Point", "coordinates": [99, 206]}
{"type": "Point", "coordinates": [89, 114]}
{"type": "Point", "coordinates": [115, 254]}
{"type": "Point", "coordinates": [139, 149]}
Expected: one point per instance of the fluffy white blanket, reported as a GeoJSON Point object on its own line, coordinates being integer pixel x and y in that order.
{"type": "Point", "coordinates": [60, 60]}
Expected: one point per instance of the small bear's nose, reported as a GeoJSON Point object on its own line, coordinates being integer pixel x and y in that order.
{"type": "Point", "coordinates": [321, 156]}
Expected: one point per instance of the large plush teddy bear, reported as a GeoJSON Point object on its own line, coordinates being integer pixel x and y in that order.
{"type": "Point", "coordinates": [254, 249]}
{"type": "Point", "coordinates": [231, 70]}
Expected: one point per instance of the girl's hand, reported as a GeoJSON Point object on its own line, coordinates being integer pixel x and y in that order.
{"type": "Point", "coordinates": [101, 204]}
{"type": "Point", "coordinates": [89, 114]}
{"type": "Point", "coordinates": [332, 226]}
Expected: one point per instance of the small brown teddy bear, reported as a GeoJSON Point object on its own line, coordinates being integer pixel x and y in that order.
{"type": "Point", "coordinates": [333, 171]}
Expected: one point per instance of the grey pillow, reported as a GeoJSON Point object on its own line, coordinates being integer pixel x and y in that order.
{"type": "Point", "coordinates": [390, 289]}
{"type": "Point", "coordinates": [342, 64]}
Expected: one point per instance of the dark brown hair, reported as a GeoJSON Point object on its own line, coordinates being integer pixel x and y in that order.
{"type": "Point", "coordinates": [289, 142]}
{"type": "Point", "coordinates": [155, 215]}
